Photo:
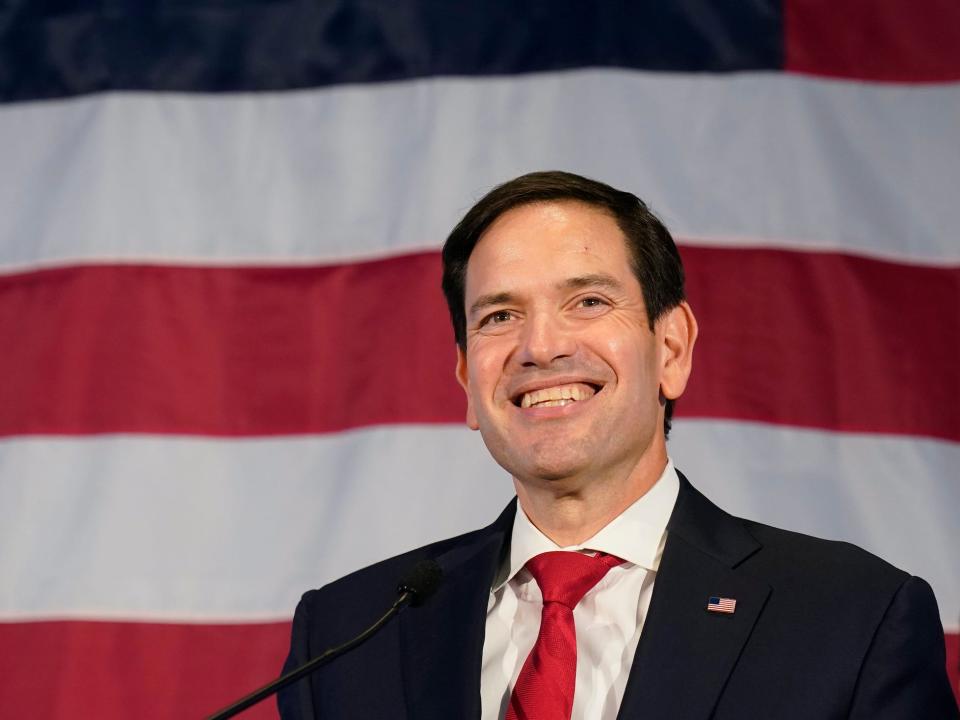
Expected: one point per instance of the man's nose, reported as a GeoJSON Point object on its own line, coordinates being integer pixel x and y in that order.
{"type": "Point", "coordinates": [544, 339]}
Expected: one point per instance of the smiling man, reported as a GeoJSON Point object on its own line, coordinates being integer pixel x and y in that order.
{"type": "Point", "coordinates": [611, 588]}
{"type": "Point", "coordinates": [560, 358]}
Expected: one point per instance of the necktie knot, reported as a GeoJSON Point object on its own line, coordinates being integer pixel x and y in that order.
{"type": "Point", "coordinates": [565, 577]}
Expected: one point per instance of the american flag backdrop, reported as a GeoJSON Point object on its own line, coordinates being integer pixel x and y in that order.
{"type": "Point", "coordinates": [227, 369]}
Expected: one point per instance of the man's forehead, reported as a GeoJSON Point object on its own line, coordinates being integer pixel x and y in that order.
{"type": "Point", "coordinates": [561, 239]}
{"type": "Point", "coordinates": [549, 229]}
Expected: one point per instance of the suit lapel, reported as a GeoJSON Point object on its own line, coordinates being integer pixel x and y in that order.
{"type": "Point", "coordinates": [442, 642]}
{"type": "Point", "coordinates": [686, 653]}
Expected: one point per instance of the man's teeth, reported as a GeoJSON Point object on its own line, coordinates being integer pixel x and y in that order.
{"type": "Point", "coordinates": [557, 396]}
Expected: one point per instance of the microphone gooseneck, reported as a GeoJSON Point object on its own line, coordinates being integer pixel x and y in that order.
{"type": "Point", "coordinates": [414, 589]}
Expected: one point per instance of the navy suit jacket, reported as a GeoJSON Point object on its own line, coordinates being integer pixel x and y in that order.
{"type": "Point", "coordinates": [821, 630]}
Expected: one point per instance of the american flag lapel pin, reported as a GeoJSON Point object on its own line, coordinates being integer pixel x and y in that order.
{"type": "Point", "coordinates": [722, 605]}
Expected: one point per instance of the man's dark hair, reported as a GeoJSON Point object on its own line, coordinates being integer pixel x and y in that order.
{"type": "Point", "coordinates": [654, 256]}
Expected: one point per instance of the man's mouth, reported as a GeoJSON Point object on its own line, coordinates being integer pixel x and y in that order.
{"type": "Point", "coordinates": [556, 396]}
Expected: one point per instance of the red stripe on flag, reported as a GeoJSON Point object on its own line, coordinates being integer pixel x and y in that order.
{"type": "Point", "coordinates": [114, 670]}
{"type": "Point", "coordinates": [810, 339]}
{"type": "Point", "coordinates": [214, 351]}
{"type": "Point", "coordinates": [825, 340]}
{"type": "Point", "coordinates": [884, 40]}
{"type": "Point", "coordinates": [953, 662]}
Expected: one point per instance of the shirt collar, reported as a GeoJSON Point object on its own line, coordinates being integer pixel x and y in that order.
{"type": "Point", "coordinates": [636, 535]}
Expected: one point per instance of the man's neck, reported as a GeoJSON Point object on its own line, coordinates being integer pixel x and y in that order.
{"type": "Point", "coordinates": [570, 512]}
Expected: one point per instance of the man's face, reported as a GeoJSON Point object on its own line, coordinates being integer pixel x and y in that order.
{"type": "Point", "coordinates": [561, 370]}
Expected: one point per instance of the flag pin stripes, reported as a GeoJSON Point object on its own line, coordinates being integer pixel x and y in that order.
{"type": "Point", "coordinates": [722, 605]}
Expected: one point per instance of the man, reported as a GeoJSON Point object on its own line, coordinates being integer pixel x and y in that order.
{"type": "Point", "coordinates": [612, 588]}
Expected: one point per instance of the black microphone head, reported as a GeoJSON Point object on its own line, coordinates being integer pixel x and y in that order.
{"type": "Point", "coordinates": [421, 582]}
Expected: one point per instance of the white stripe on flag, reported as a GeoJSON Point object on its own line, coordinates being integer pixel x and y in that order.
{"type": "Point", "coordinates": [351, 172]}
{"type": "Point", "coordinates": [218, 530]}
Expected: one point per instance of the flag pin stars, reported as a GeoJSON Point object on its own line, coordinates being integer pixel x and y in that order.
{"type": "Point", "coordinates": [722, 605]}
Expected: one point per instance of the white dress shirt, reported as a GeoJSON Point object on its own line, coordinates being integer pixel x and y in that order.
{"type": "Point", "coordinates": [608, 620]}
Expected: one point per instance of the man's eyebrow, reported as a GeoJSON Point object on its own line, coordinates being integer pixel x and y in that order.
{"type": "Point", "coordinates": [485, 301]}
{"type": "Point", "coordinates": [591, 280]}
{"type": "Point", "coordinates": [597, 280]}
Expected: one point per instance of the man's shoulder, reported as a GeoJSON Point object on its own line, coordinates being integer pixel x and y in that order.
{"type": "Point", "coordinates": [387, 573]}
{"type": "Point", "coordinates": [788, 551]}
{"type": "Point", "coordinates": [826, 578]}
{"type": "Point", "coordinates": [358, 598]}
{"type": "Point", "coordinates": [780, 556]}
{"type": "Point", "coordinates": [339, 611]}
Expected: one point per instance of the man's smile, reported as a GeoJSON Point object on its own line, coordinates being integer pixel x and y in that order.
{"type": "Point", "coordinates": [557, 394]}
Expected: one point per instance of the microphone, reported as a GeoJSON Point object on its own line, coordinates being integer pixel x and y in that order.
{"type": "Point", "coordinates": [420, 583]}
{"type": "Point", "coordinates": [414, 589]}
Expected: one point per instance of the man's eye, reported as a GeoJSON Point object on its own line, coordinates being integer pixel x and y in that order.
{"type": "Point", "coordinates": [495, 318]}
{"type": "Point", "coordinates": [592, 302]}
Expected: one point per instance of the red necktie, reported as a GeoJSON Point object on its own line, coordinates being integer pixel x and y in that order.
{"type": "Point", "coordinates": [544, 689]}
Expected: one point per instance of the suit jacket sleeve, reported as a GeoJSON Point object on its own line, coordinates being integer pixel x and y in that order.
{"type": "Point", "coordinates": [904, 673]}
{"type": "Point", "coordinates": [296, 701]}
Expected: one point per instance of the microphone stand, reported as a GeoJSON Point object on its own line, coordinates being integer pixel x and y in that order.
{"type": "Point", "coordinates": [291, 677]}
{"type": "Point", "coordinates": [414, 589]}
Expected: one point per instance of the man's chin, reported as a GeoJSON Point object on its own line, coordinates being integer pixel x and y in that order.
{"type": "Point", "coordinates": [551, 458]}
{"type": "Point", "coordinates": [550, 469]}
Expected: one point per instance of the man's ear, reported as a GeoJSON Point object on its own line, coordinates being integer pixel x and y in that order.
{"type": "Point", "coordinates": [464, 379]}
{"type": "Point", "coordinates": [679, 333]}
